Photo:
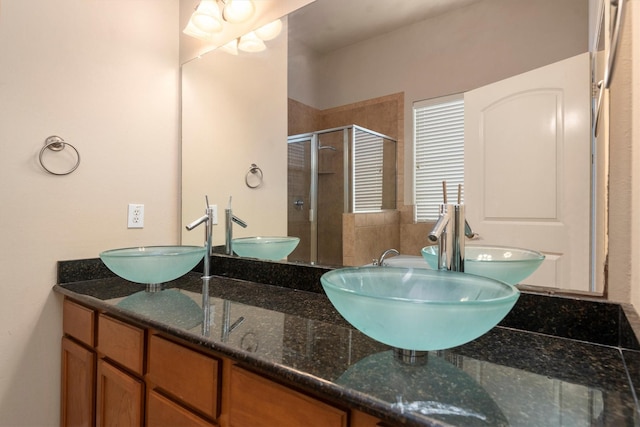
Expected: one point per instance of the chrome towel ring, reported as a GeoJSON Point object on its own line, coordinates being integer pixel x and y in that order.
{"type": "Point", "coordinates": [254, 170]}
{"type": "Point", "coordinates": [55, 143]}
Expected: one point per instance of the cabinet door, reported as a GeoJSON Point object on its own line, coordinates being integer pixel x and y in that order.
{"type": "Point", "coordinates": [78, 385]}
{"type": "Point", "coordinates": [162, 412]}
{"type": "Point", "coordinates": [258, 402]}
{"type": "Point", "coordinates": [119, 397]}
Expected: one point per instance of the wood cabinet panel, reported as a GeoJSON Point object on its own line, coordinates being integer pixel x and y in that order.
{"type": "Point", "coordinates": [122, 343]}
{"type": "Point", "coordinates": [78, 385]}
{"type": "Point", "coordinates": [186, 374]}
{"type": "Point", "coordinates": [258, 402]}
{"type": "Point", "coordinates": [119, 397]}
{"type": "Point", "coordinates": [360, 419]}
{"type": "Point", "coordinates": [163, 412]}
{"type": "Point", "coordinates": [79, 322]}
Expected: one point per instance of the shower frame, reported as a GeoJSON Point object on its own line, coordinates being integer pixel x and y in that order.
{"type": "Point", "coordinates": [348, 145]}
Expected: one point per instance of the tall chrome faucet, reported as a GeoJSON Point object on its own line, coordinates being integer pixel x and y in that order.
{"type": "Point", "coordinates": [207, 219]}
{"type": "Point", "coordinates": [230, 218]}
{"type": "Point", "coordinates": [449, 232]}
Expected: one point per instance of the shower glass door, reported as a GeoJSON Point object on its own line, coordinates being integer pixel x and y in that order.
{"type": "Point", "coordinates": [300, 171]}
{"type": "Point", "coordinates": [316, 195]}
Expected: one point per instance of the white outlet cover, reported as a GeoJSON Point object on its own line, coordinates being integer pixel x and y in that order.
{"type": "Point", "coordinates": [135, 216]}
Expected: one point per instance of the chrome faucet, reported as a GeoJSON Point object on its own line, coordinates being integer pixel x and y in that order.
{"type": "Point", "coordinates": [449, 232]}
{"type": "Point", "coordinates": [385, 254]}
{"type": "Point", "coordinates": [207, 219]}
{"type": "Point", "coordinates": [230, 218]}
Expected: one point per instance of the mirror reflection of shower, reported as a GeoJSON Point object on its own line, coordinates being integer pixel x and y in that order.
{"type": "Point", "coordinates": [349, 169]}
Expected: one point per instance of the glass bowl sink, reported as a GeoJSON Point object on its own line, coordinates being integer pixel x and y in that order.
{"type": "Point", "coordinates": [270, 248]}
{"type": "Point", "coordinates": [152, 264]}
{"type": "Point", "coordinates": [418, 309]}
{"type": "Point", "coordinates": [509, 265]}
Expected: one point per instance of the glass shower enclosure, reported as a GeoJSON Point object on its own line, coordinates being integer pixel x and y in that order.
{"type": "Point", "coordinates": [348, 169]}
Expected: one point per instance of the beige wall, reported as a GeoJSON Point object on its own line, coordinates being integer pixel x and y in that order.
{"type": "Point", "coordinates": [624, 186]}
{"type": "Point", "coordinates": [104, 76]}
{"type": "Point", "coordinates": [229, 124]}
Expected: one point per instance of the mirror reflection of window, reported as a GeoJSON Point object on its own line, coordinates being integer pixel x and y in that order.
{"type": "Point", "coordinates": [439, 153]}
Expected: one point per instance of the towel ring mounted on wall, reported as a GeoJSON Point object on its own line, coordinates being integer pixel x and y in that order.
{"type": "Point", "coordinates": [254, 170]}
{"type": "Point", "coordinates": [55, 143]}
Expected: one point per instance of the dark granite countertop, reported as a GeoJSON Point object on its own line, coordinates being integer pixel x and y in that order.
{"type": "Point", "coordinates": [552, 362]}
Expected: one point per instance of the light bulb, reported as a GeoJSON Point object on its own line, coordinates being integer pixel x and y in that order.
{"type": "Point", "coordinates": [251, 43]}
{"type": "Point", "coordinates": [237, 11]}
{"type": "Point", "coordinates": [193, 31]}
{"type": "Point", "coordinates": [269, 31]}
{"type": "Point", "coordinates": [207, 17]}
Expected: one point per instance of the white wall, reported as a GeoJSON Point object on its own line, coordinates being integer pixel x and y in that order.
{"type": "Point", "coordinates": [104, 76]}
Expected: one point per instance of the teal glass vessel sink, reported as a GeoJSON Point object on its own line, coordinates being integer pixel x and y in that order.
{"type": "Point", "coordinates": [152, 264]}
{"type": "Point", "coordinates": [269, 248]}
{"type": "Point", "coordinates": [509, 265]}
{"type": "Point", "coordinates": [418, 309]}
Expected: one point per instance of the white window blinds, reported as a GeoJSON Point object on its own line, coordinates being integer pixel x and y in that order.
{"type": "Point", "coordinates": [367, 171]}
{"type": "Point", "coordinates": [439, 152]}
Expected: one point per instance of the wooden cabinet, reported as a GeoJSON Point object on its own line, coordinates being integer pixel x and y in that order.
{"type": "Point", "coordinates": [171, 364]}
{"type": "Point", "coordinates": [258, 402]}
{"type": "Point", "coordinates": [119, 397]}
{"type": "Point", "coordinates": [115, 373]}
{"type": "Point", "coordinates": [122, 343]}
{"type": "Point", "coordinates": [163, 412]}
{"type": "Point", "coordinates": [78, 384]}
{"type": "Point", "coordinates": [78, 322]}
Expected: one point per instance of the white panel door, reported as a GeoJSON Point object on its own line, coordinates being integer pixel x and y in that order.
{"type": "Point", "coordinates": [527, 167]}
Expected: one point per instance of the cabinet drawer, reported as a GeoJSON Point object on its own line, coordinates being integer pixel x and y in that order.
{"type": "Point", "coordinates": [121, 343]}
{"type": "Point", "coordinates": [78, 322]}
{"type": "Point", "coordinates": [258, 402]}
{"type": "Point", "coordinates": [162, 412]}
{"type": "Point", "coordinates": [191, 377]}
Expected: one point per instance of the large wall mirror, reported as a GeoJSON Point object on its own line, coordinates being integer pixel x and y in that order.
{"type": "Point", "coordinates": [365, 63]}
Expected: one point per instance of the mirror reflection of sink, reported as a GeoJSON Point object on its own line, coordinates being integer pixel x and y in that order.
{"type": "Point", "coordinates": [509, 265]}
{"type": "Point", "coordinates": [417, 308]}
{"type": "Point", "coordinates": [169, 306]}
{"type": "Point", "coordinates": [270, 248]}
{"type": "Point", "coordinates": [152, 264]}
{"type": "Point", "coordinates": [437, 389]}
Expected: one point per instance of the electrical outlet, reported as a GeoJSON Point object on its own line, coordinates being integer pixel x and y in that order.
{"type": "Point", "coordinates": [135, 218]}
{"type": "Point", "coordinates": [214, 214]}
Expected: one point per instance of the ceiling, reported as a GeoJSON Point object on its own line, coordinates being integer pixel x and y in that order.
{"type": "Point", "coordinates": [327, 25]}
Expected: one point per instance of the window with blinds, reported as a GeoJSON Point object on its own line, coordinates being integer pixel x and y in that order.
{"type": "Point", "coordinates": [439, 152]}
{"type": "Point", "coordinates": [367, 171]}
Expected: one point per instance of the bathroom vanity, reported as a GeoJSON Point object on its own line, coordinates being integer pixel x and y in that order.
{"type": "Point", "coordinates": [271, 350]}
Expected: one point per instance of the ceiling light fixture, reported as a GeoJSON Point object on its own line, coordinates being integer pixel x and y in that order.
{"type": "Point", "coordinates": [251, 43]}
{"type": "Point", "coordinates": [269, 31]}
{"type": "Point", "coordinates": [237, 11]}
{"type": "Point", "coordinates": [207, 17]}
{"type": "Point", "coordinates": [231, 47]}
